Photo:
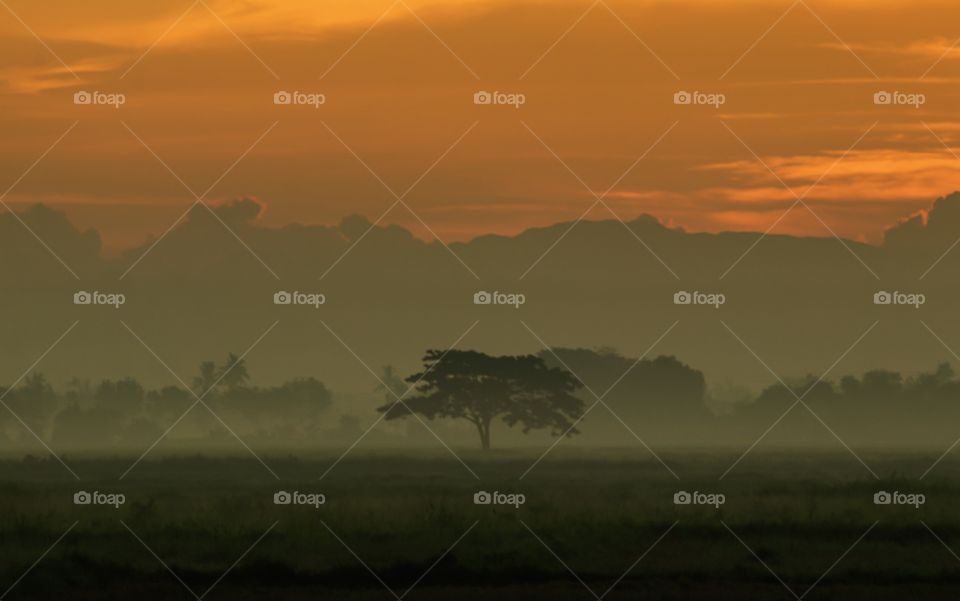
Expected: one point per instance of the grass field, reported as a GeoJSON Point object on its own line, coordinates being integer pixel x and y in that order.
{"type": "Point", "coordinates": [589, 520]}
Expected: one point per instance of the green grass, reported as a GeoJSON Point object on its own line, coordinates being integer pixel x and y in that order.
{"type": "Point", "coordinates": [599, 512]}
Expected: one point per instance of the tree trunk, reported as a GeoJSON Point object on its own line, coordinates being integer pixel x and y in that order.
{"type": "Point", "coordinates": [483, 427]}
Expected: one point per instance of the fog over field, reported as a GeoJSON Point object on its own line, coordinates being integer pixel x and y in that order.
{"type": "Point", "coordinates": [708, 347]}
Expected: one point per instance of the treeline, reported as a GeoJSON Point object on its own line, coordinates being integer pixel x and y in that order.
{"type": "Point", "coordinates": [879, 407]}
{"type": "Point", "coordinates": [614, 400]}
{"type": "Point", "coordinates": [469, 397]}
{"type": "Point", "coordinates": [124, 413]}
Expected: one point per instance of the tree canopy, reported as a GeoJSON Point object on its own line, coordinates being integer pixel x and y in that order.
{"type": "Point", "coordinates": [519, 390]}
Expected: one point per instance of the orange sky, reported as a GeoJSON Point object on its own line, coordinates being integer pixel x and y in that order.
{"type": "Point", "coordinates": [599, 81]}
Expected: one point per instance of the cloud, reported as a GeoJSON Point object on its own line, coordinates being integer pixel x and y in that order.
{"type": "Point", "coordinates": [929, 48]}
{"type": "Point", "coordinates": [243, 211]}
{"type": "Point", "coordinates": [399, 99]}
{"type": "Point", "coordinates": [937, 227]}
{"type": "Point", "coordinates": [876, 174]}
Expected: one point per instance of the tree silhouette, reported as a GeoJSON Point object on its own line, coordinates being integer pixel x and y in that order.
{"type": "Point", "coordinates": [234, 373]}
{"type": "Point", "coordinates": [660, 394]}
{"type": "Point", "coordinates": [123, 396]}
{"type": "Point", "coordinates": [391, 385]}
{"type": "Point", "coordinates": [292, 409]}
{"type": "Point", "coordinates": [207, 378]}
{"type": "Point", "coordinates": [34, 403]}
{"type": "Point", "coordinates": [479, 388]}
{"type": "Point", "coordinates": [168, 403]}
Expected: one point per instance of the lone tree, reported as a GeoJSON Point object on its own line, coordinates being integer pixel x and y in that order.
{"type": "Point", "coordinates": [479, 388]}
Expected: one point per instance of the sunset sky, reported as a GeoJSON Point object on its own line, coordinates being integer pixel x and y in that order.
{"type": "Point", "coordinates": [399, 78]}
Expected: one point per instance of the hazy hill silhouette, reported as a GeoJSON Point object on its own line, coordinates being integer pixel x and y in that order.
{"type": "Point", "coordinates": [798, 303]}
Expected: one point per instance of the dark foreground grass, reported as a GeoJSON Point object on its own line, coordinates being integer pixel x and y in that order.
{"type": "Point", "coordinates": [590, 527]}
